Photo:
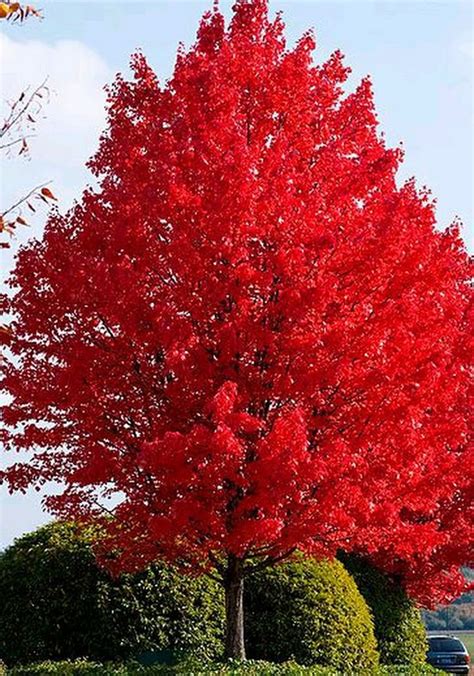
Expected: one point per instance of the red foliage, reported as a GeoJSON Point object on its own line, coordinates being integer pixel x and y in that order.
{"type": "Point", "coordinates": [249, 336]}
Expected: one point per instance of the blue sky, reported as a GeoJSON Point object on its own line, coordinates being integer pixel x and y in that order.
{"type": "Point", "coordinates": [419, 54]}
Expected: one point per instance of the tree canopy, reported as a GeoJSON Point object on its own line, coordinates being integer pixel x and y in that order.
{"type": "Point", "coordinates": [249, 339]}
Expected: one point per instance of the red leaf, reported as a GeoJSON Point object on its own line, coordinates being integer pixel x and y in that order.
{"type": "Point", "coordinates": [46, 192]}
{"type": "Point", "coordinates": [247, 336]}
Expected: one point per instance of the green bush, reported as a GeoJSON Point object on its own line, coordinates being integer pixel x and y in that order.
{"type": "Point", "coordinates": [408, 670]}
{"type": "Point", "coordinates": [196, 667]}
{"type": "Point", "coordinates": [69, 668]}
{"type": "Point", "coordinates": [400, 633]}
{"type": "Point", "coordinates": [57, 604]}
{"type": "Point", "coordinates": [191, 666]}
{"type": "Point", "coordinates": [312, 612]}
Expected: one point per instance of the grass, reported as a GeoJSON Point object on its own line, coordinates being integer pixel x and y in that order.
{"type": "Point", "coordinates": [467, 637]}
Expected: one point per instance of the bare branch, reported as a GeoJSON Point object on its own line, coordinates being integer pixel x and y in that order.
{"type": "Point", "coordinates": [4, 146]}
{"type": "Point", "coordinates": [24, 199]}
{"type": "Point", "coordinates": [21, 108]}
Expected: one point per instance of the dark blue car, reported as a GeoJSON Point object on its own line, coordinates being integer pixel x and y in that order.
{"type": "Point", "coordinates": [448, 653]}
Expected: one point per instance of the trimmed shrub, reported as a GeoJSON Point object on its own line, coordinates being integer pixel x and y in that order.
{"type": "Point", "coordinates": [408, 670]}
{"type": "Point", "coordinates": [69, 668]}
{"type": "Point", "coordinates": [399, 629]}
{"type": "Point", "coordinates": [56, 603]}
{"type": "Point", "coordinates": [190, 666]}
{"type": "Point", "coordinates": [312, 612]}
{"type": "Point", "coordinates": [199, 668]}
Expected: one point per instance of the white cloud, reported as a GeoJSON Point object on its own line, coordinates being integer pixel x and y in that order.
{"type": "Point", "coordinates": [466, 47]}
{"type": "Point", "coordinates": [69, 132]}
{"type": "Point", "coordinates": [76, 76]}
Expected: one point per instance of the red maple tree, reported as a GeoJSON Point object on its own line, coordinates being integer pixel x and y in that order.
{"type": "Point", "coordinates": [248, 340]}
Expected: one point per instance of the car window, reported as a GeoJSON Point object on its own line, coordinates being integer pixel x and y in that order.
{"type": "Point", "coordinates": [445, 645]}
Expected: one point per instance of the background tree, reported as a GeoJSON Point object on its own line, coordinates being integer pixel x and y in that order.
{"type": "Point", "coordinates": [462, 609]}
{"type": "Point", "coordinates": [249, 339]}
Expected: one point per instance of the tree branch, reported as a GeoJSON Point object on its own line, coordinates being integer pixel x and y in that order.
{"type": "Point", "coordinates": [24, 199]}
{"type": "Point", "coordinates": [271, 561]}
{"type": "Point", "coordinates": [15, 117]}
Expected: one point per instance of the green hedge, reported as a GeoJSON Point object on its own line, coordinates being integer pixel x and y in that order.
{"type": "Point", "coordinates": [399, 629]}
{"type": "Point", "coordinates": [197, 668]}
{"type": "Point", "coordinates": [312, 612]}
{"type": "Point", "coordinates": [186, 668]}
{"type": "Point", "coordinates": [57, 604]}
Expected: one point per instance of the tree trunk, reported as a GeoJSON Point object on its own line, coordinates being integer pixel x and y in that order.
{"type": "Point", "coordinates": [234, 608]}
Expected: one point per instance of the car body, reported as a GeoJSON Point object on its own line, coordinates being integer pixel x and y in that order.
{"type": "Point", "coordinates": [448, 653]}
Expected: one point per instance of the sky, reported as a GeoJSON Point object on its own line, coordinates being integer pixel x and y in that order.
{"type": "Point", "coordinates": [419, 54]}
